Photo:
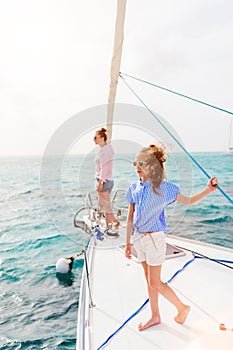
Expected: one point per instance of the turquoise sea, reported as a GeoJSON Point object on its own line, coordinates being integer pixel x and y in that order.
{"type": "Point", "coordinates": [38, 307]}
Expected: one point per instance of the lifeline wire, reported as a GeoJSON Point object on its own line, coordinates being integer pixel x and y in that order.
{"type": "Point", "coordinates": [177, 141]}
{"type": "Point", "coordinates": [179, 94]}
{"type": "Point", "coordinates": [202, 256]}
{"type": "Point", "coordinates": [86, 246]}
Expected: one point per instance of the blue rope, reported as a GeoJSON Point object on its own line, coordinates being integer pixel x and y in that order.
{"type": "Point", "coordinates": [180, 270]}
{"type": "Point", "coordinates": [178, 142]}
{"type": "Point", "coordinates": [88, 242]}
{"type": "Point", "coordinates": [217, 260]}
{"type": "Point", "coordinates": [178, 93]}
{"type": "Point", "coordinates": [118, 329]}
{"type": "Point", "coordinates": [147, 300]}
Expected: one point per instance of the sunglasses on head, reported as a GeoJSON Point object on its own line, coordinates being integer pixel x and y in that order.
{"type": "Point", "coordinates": [139, 163]}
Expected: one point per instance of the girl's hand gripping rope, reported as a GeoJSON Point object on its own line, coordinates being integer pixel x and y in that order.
{"type": "Point", "coordinates": [212, 184]}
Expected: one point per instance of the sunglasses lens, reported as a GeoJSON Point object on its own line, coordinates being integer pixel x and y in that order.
{"type": "Point", "coordinates": [138, 163]}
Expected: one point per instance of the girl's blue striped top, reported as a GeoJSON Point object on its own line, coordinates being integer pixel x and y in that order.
{"type": "Point", "coordinates": [149, 207]}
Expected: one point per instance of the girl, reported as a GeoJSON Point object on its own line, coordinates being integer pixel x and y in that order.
{"type": "Point", "coordinates": [104, 175]}
{"type": "Point", "coordinates": [147, 199]}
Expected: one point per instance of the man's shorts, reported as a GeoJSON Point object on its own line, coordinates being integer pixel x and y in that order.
{"type": "Point", "coordinates": [150, 247]}
{"type": "Point", "coordinates": [107, 185]}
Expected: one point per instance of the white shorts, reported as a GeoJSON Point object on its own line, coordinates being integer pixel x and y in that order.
{"type": "Point", "coordinates": [150, 247]}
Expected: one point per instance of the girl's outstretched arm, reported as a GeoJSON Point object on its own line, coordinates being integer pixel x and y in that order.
{"type": "Point", "coordinates": [211, 187]}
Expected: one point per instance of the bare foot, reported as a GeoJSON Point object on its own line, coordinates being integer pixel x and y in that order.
{"type": "Point", "coordinates": [117, 223]}
{"type": "Point", "coordinates": [182, 315]}
{"type": "Point", "coordinates": [150, 323]}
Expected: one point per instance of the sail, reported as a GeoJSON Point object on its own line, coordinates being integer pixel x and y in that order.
{"type": "Point", "coordinates": [116, 62]}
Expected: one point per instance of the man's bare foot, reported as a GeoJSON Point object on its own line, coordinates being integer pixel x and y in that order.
{"type": "Point", "coordinates": [150, 323]}
{"type": "Point", "coordinates": [117, 223]}
{"type": "Point", "coordinates": [182, 315]}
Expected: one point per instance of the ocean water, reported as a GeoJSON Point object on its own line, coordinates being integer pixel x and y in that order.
{"type": "Point", "coordinates": [38, 203]}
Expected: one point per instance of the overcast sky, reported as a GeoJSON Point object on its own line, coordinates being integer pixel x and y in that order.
{"type": "Point", "coordinates": [55, 60]}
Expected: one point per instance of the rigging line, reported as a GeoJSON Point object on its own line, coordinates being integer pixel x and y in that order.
{"type": "Point", "coordinates": [179, 94]}
{"type": "Point", "coordinates": [177, 141]}
{"type": "Point", "coordinates": [88, 277]}
{"type": "Point", "coordinates": [218, 261]}
{"type": "Point", "coordinates": [86, 246]}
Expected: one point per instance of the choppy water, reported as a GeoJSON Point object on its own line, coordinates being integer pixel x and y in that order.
{"type": "Point", "coordinates": [38, 309]}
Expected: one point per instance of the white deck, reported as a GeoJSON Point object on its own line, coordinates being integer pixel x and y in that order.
{"type": "Point", "coordinates": [119, 289]}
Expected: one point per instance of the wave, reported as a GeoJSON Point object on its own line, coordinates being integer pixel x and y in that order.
{"type": "Point", "coordinates": [217, 220]}
{"type": "Point", "coordinates": [26, 192]}
{"type": "Point", "coordinates": [28, 245]}
{"type": "Point", "coordinates": [52, 343]}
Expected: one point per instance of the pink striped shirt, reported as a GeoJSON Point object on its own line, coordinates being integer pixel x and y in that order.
{"type": "Point", "coordinates": [103, 163]}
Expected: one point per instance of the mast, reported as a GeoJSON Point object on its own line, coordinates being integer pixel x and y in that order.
{"type": "Point", "coordinates": [116, 62]}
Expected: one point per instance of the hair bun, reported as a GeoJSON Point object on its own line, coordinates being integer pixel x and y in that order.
{"type": "Point", "coordinates": [103, 130]}
{"type": "Point", "coordinates": [158, 152]}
